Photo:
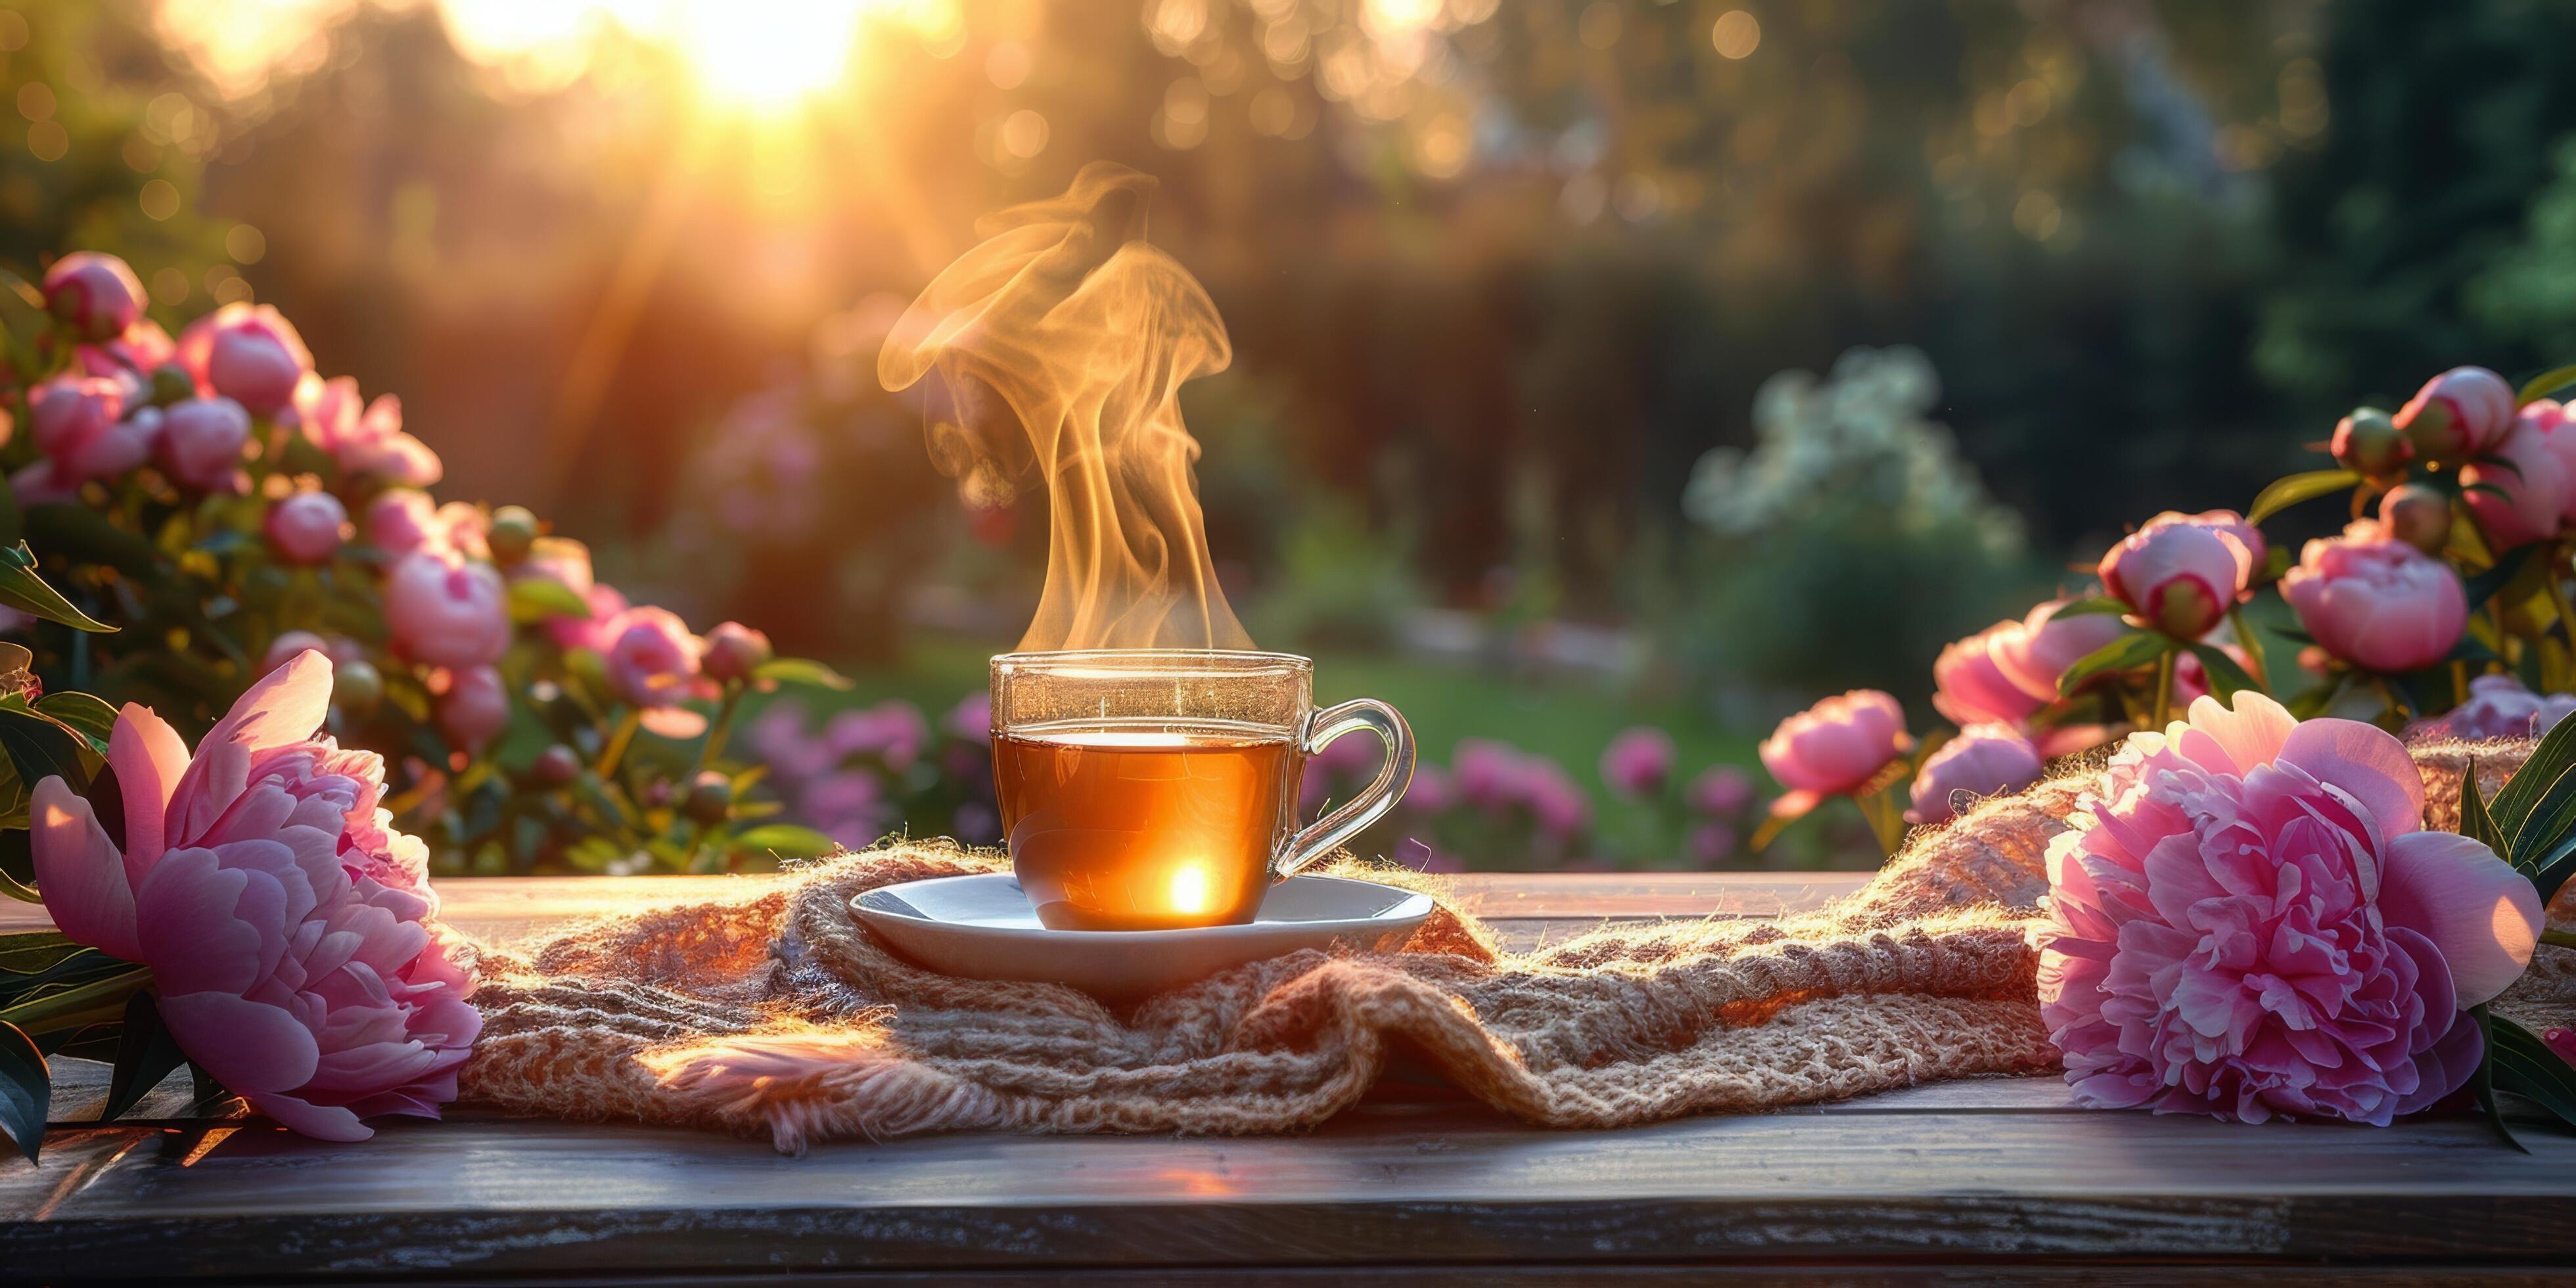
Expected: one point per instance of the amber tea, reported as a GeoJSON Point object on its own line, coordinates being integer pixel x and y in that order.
{"type": "Point", "coordinates": [1144, 826]}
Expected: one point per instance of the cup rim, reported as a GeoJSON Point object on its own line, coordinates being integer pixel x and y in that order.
{"type": "Point", "coordinates": [1155, 661]}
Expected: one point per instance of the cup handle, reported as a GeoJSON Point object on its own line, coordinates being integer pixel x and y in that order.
{"type": "Point", "coordinates": [1319, 838]}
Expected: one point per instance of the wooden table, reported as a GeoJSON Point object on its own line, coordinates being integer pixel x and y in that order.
{"type": "Point", "coordinates": [1976, 1181]}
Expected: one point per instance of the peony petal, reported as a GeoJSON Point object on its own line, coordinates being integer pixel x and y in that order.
{"type": "Point", "coordinates": [2367, 762]}
{"type": "Point", "coordinates": [187, 911]}
{"type": "Point", "coordinates": [249, 1047]}
{"type": "Point", "coordinates": [149, 760]}
{"type": "Point", "coordinates": [80, 873]}
{"type": "Point", "coordinates": [2250, 734]}
{"type": "Point", "coordinates": [285, 707]}
{"type": "Point", "coordinates": [321, 1122]}
{"type": "Point", "coordinates": [2483, 916]}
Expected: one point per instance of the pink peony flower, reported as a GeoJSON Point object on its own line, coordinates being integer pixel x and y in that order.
{"type": "Point", "coordinates": [2180, 572]}
{"type": "Point", "coordinates": [476, 707]}
{"type": "Point", "coordinates": [1712, 844]}
{"type": "Point", "coordinates": [200, 445]}
{"type": "Point", "coordinates": [1432, 790]}
{"type": "Point", "coordinates": [654, 664]}
{"type": "Point", "coordinates": [595, 632]}
{"type": "Point", "coordinates": [778, 738]}
{"type": "Point", "coordinates": [1971, 686]}
{"type": "Point", "coordinates": [403, 520]}
{"type": "Point", "coordinates": [734, 651]}
{"type": "Point", "coordinates": [847, 806]}
{"type": "Point", "coordinates": [445, 611]}
{"type": "Point", "coordinates": [971, 718]}
{"type": "Point", "coordinates": [2500, 707]}
{"type": "Point", "coordinates": [2248, 919]}
{"type": "Point", "coordinates": [2462, 412]}
{"type": "Point", "coordinates": [1721, 791]}
{"type": "Point", "coordinates": [1834, 748]}
{"type": "Point", "coordinates": [2375, 602]}
{"type": "Point", "coordinates": [249, 353]}
{"type": "Point", "coordinates": [288, 928]}
{"type": "Point", "coordinates": [306, 528]}
{"type": "Point", "coordinates": [379, 449]}
{"type": "Point", "coordinates": [1638, 762]}
{"type": "Point", "coordinates": [893, 729]}
{"type": "Point", "coordinates": [95, 296]}
{"type": "Point", "coordinates": [1559, 807]}
{"type": "Point", "coordinates": [2533, 480]}
{"type": "Point", "coordinates": [1984, 760]}
{"type": "Point", "coordinates": [134, 355]}
{"type": "Point", "coordinates": [2048, 644]}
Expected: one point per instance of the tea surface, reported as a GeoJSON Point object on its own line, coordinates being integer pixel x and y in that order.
{"type": "Point", "coordinates": [1144, 825]}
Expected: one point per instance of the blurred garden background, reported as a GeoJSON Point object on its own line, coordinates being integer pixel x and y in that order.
{"type": "Point", "coordinates": [1600, 365]}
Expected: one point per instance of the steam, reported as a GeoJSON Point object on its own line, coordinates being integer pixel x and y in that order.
{"type": "Point", "coordinates": [1061, 343]}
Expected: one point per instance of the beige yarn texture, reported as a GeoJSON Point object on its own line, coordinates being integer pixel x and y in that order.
{"type": "Point", "coordinates": [779, 1013]}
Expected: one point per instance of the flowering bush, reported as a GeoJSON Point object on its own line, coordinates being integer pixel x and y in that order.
{"type": "Point", "coordinates": [227, 507]}
{"type": "Point", "coordinates": [2248, 917]}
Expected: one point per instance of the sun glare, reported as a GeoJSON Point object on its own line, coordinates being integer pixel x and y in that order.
{"type": "Point", "coordinates": [754, 55]}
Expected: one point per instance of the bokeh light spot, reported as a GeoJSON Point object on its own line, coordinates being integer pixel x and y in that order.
{"type": "Point", "coordinates": [1737, 34]}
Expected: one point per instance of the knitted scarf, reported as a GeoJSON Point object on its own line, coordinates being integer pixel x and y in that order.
{"type": "Point", "coordinates": [778, 1012]}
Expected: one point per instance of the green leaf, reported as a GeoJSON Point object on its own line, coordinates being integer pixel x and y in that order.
{"type": "Point", "coordinates": [145, 1054]}
{"type": "Point", "coordinates": [534, 599]}
{"type": "Point", "coordinates": [41, 747]}
{"type": "Point", "coordinates": [2545, 384]}
{"type": "Point", "coordinates": [2475, 823]}
{"type": "Point", "coordinates": [785, 839]}
{"type": "Point", "coordinates": [2091, 605]}
{"type": "Point", "coordinates": [2485, 585]}
{"type": "Point", "coordinates": [2287, 492]}
{"type": "Point", "coordinates": [2483, 1081]}
{"type": "Point", "coordinates": [26, 1090]}
{"type": "Point", "coordinates": [2226, 678]}
{"type": "Point", "coordinates": [2546, 824]}
{"type": "Point", "coordinates": [22, 589]}
{"type": "Point", "coordinates": [797, 670]}
{"type": "Point", "coordinates": [2525, 1066]}
{"type": "Point", "coordinates": [2127, 653]}
{"type": "Point", "coordinates": [86, 714]}
{"type": "Point", "coordinates": [2555, 755]}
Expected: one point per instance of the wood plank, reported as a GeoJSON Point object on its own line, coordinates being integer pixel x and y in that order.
{"type": "Point", "coordinates": [1380, 1185]}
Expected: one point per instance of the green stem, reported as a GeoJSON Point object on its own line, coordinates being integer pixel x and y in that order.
{"type": "Point", "coordinates": [2566, 615]}
{"type": "Point", "coordinates": [2164, 687]}
{"type": "Point", "coordinates": [2562, 938]}
{"type": "Point", "coordinates": [2253, 647]}
{"type": "Point", "coordinates": [617, 740]}
{"type": "Point", "coordinates": [717, 732]}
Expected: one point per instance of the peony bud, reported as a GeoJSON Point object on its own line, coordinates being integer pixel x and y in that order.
{"type": "Point", "coordinates": [66, 412]}
{"type": "Point", "coordinates": [2417, 514]}
{"type": "Point", "coordinates": [95, 296]}
{"type": "Point", "coordinates": [306, 528]}
{"type": "Point", "coordinates": [1984, 760]}
{"type": "Point", "coordinates": [172, 383]}
{"type": "Point", "coordinates": [2180, 573]}
{"type": "Point", "coordinates": [2460, 413]}
{"type": "Point", "coordinates": [2377, 602]}
{"type": "Point", "coordinates": [710, 799]}
{"type": "Point", "coordinates": [476, 708]}
{"type": "Point", "coordinates": [556, 766]}
{"type": "Point", "coordinates": [1637, 763]}
{"type": "Point", "coordinates": [1832, 748]}
{"type": "Point", "coordinates": [444, 610]}
{"type": "Point", "coordinates": [2529, 496]}
{"type": "Point", "coordinates": [248, 353]}
{"type": "Point", "coordinates": [734, 651]}
{"type": "Point", "coordinates": [356, 687]}
{"type": "Point", "coordinates": [2369, 442]}
{"type": "Point", "coordinates": [514, 533]}
{"type": "Point", "coordinates": [201, 444]}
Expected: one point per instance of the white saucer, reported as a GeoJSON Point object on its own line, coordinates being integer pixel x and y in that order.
{"type": "Point", "coordinates": [982, 927]}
